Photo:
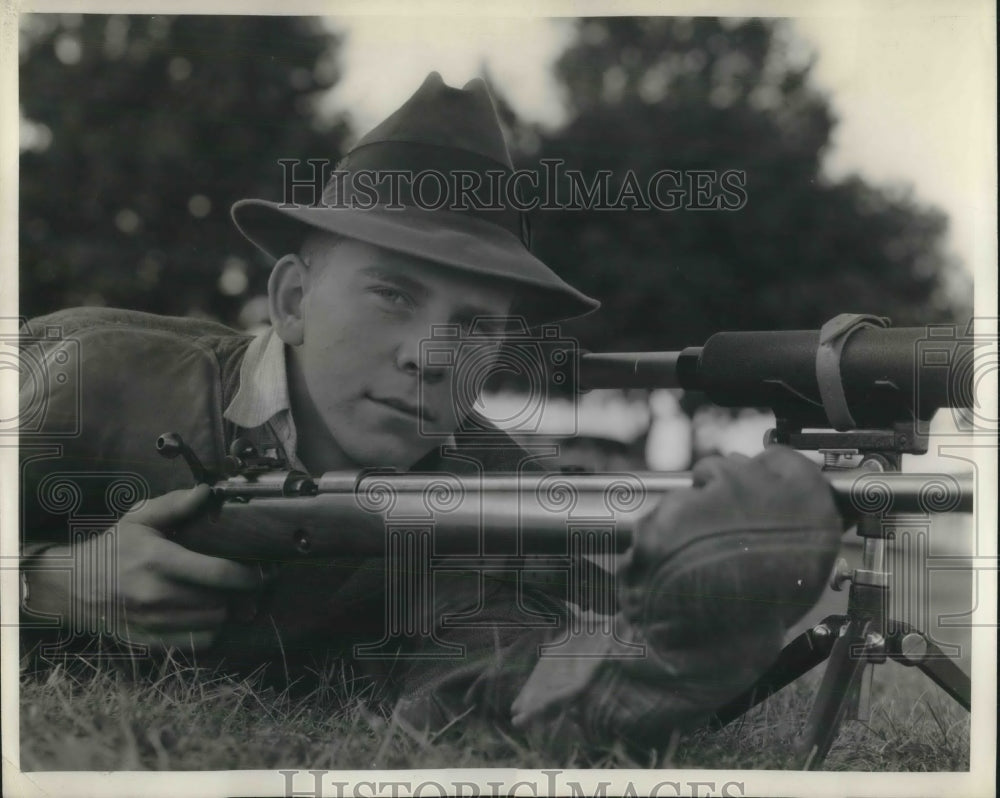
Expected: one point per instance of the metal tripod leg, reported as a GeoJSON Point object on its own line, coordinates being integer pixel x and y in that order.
{"type": "Point", "coordinates": [846, 687]}
{"type": "Point", "coordinates": [949, 677]}
{"type": "Point", "coordinates": [913, 649]}
{"type": "Point", "coordinates": [841, 680]}
{"type": "Point", "coordinates": [797, 658]}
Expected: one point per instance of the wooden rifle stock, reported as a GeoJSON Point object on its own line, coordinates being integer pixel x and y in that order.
{"type": "Point", "coordinates": [289, 516]}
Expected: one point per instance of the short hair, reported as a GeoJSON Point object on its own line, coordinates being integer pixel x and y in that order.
{"type": "Point", "coordinates": [316, 241]}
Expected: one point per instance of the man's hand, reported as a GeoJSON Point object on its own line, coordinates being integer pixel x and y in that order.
{"type": "Point", "coordinates": [149, 589]}
{"type": "Point", "coordinates": [714, 578]}
{"type": "Point", "coordinates": [754, 540]}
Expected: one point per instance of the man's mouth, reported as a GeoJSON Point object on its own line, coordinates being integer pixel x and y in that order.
{"type": "Point", "coordinates": [405, 407]}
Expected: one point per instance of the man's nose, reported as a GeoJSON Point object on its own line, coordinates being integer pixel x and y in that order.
{"type": "Point", "coordinates": [425, 362]}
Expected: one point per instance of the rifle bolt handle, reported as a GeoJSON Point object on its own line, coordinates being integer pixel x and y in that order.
{"type": "Point", "coordinates": [169, 445]}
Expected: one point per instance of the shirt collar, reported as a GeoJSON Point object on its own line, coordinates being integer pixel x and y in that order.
{"type": "Point", "coordinates": [263, 394]}
{"type": "Point", "coordinates": [263, 391]}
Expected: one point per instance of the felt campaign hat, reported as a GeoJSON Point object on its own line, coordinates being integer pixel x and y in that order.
{"type": "Point", "coordinates": [435, 181]}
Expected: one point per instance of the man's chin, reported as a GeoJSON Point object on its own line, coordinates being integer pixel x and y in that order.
{"type": "Point", "coordinates": [380, 451]}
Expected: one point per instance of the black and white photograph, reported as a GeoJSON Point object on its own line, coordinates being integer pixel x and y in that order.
{"type": "Point", "coordinates": [500, 399]}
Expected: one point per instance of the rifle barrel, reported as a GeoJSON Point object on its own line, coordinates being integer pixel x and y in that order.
{"type": "Point", "coordinates": [632, 369]}
{"type": "Point", "coordinates": [855, 490]}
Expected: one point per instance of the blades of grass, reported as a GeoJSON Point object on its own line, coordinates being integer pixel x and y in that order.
{"type": "Point", "coordinates": [390, 733]}
{"type": "Point", "coordinates": [162, 757]}
{"type": "Point", "coordinates": [937, 720]}
{"type": "Point", "coordinates": [240, 697]}
{"type": "Point", "coordinates": [667, 761]}
{"type": "Point", "coordinates": [281, 648]}
{"type": "Point", "coordinates": [354, 716]}
{"type": "Point", "coordinates": [130, 749]}
{"type": "Point", "coordinates": [890, 720]}
{"type": "Point", "coordinates": [435, 735]}
{"type": "Point", "coordinates": [421, 738]}
{"type": "Point", "coordinates": [519, 749]}
{"type": "Point", "coordinates": [74, 716]}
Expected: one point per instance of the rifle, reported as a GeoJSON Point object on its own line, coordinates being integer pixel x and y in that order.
{"type": "Point", "coordinates": [285, 515]}
{"type": "Point", "coordinates": [858, 391]}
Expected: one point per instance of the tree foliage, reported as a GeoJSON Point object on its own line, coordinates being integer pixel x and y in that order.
{"type": "Point", "coordinates": [708, 94]}
{"type": "Point", "coordinates": [146, 130]}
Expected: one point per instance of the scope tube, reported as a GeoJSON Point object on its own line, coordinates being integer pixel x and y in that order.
{"type": "Point", "coordinates": [889, 374]}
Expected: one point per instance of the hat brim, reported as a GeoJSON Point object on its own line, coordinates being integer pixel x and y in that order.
{"type": "Point", "coordinates": [448, 238]}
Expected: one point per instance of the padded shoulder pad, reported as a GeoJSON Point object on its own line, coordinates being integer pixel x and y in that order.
{"type": "Point", "coordinates": [95, 395]}
{"type": "Point", "coordinates": [74, 320]}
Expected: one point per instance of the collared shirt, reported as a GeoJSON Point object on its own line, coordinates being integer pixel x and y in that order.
{"type": "Point", "coordinates": [262, 397]}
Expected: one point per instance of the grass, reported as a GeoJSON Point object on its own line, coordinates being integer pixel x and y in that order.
{"type": "Point", "coordinates": [81, 716]}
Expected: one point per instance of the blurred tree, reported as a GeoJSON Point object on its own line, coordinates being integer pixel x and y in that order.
{"type": "Point", "coordinates": [141, 131]}
{"type": "Point", "coordinates": [708, 94]}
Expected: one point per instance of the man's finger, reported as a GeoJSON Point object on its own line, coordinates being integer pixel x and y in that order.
{"type": "Point", "coordinates": [173, 596]}
{"type": "Point", "coordinates": [183, 565]}
{"type": "Point", "coordinates": [786, 463]}
{"type": "Point", "coordinates": [171, 509]}
{"type": "Point", "coordinates": [709, 469]}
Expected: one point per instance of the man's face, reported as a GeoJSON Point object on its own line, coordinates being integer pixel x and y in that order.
{"type": "Point", "coordinates": [357, 374]}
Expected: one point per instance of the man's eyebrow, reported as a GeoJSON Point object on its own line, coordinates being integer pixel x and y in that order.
{"type": "Point", "coordinates": [466, 312]}
{"type": "Point", "coordinates": [401, 280]}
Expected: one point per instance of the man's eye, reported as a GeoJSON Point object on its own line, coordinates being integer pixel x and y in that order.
{"type": "Point", "coordinates": [392, 296]}
{"type": "Point", "coordinates": [480, 328]}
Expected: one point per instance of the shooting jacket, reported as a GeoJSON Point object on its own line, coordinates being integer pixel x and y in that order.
{"type": "Point", "coordinates": [98, 386]}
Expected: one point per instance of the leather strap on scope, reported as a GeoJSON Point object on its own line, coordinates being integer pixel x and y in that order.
{"type": "Point", "coordinates": [833, 337]}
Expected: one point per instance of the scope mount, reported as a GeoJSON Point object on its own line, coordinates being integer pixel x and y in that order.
{"type": "Point", "coordinates": [903, 437]}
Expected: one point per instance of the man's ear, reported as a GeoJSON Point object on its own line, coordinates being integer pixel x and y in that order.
{"type": "Point", "coordinates": [286, 290]}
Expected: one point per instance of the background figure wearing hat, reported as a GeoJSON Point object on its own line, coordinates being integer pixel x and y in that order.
{"type": "Point", "coordinates": [338, 382]}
